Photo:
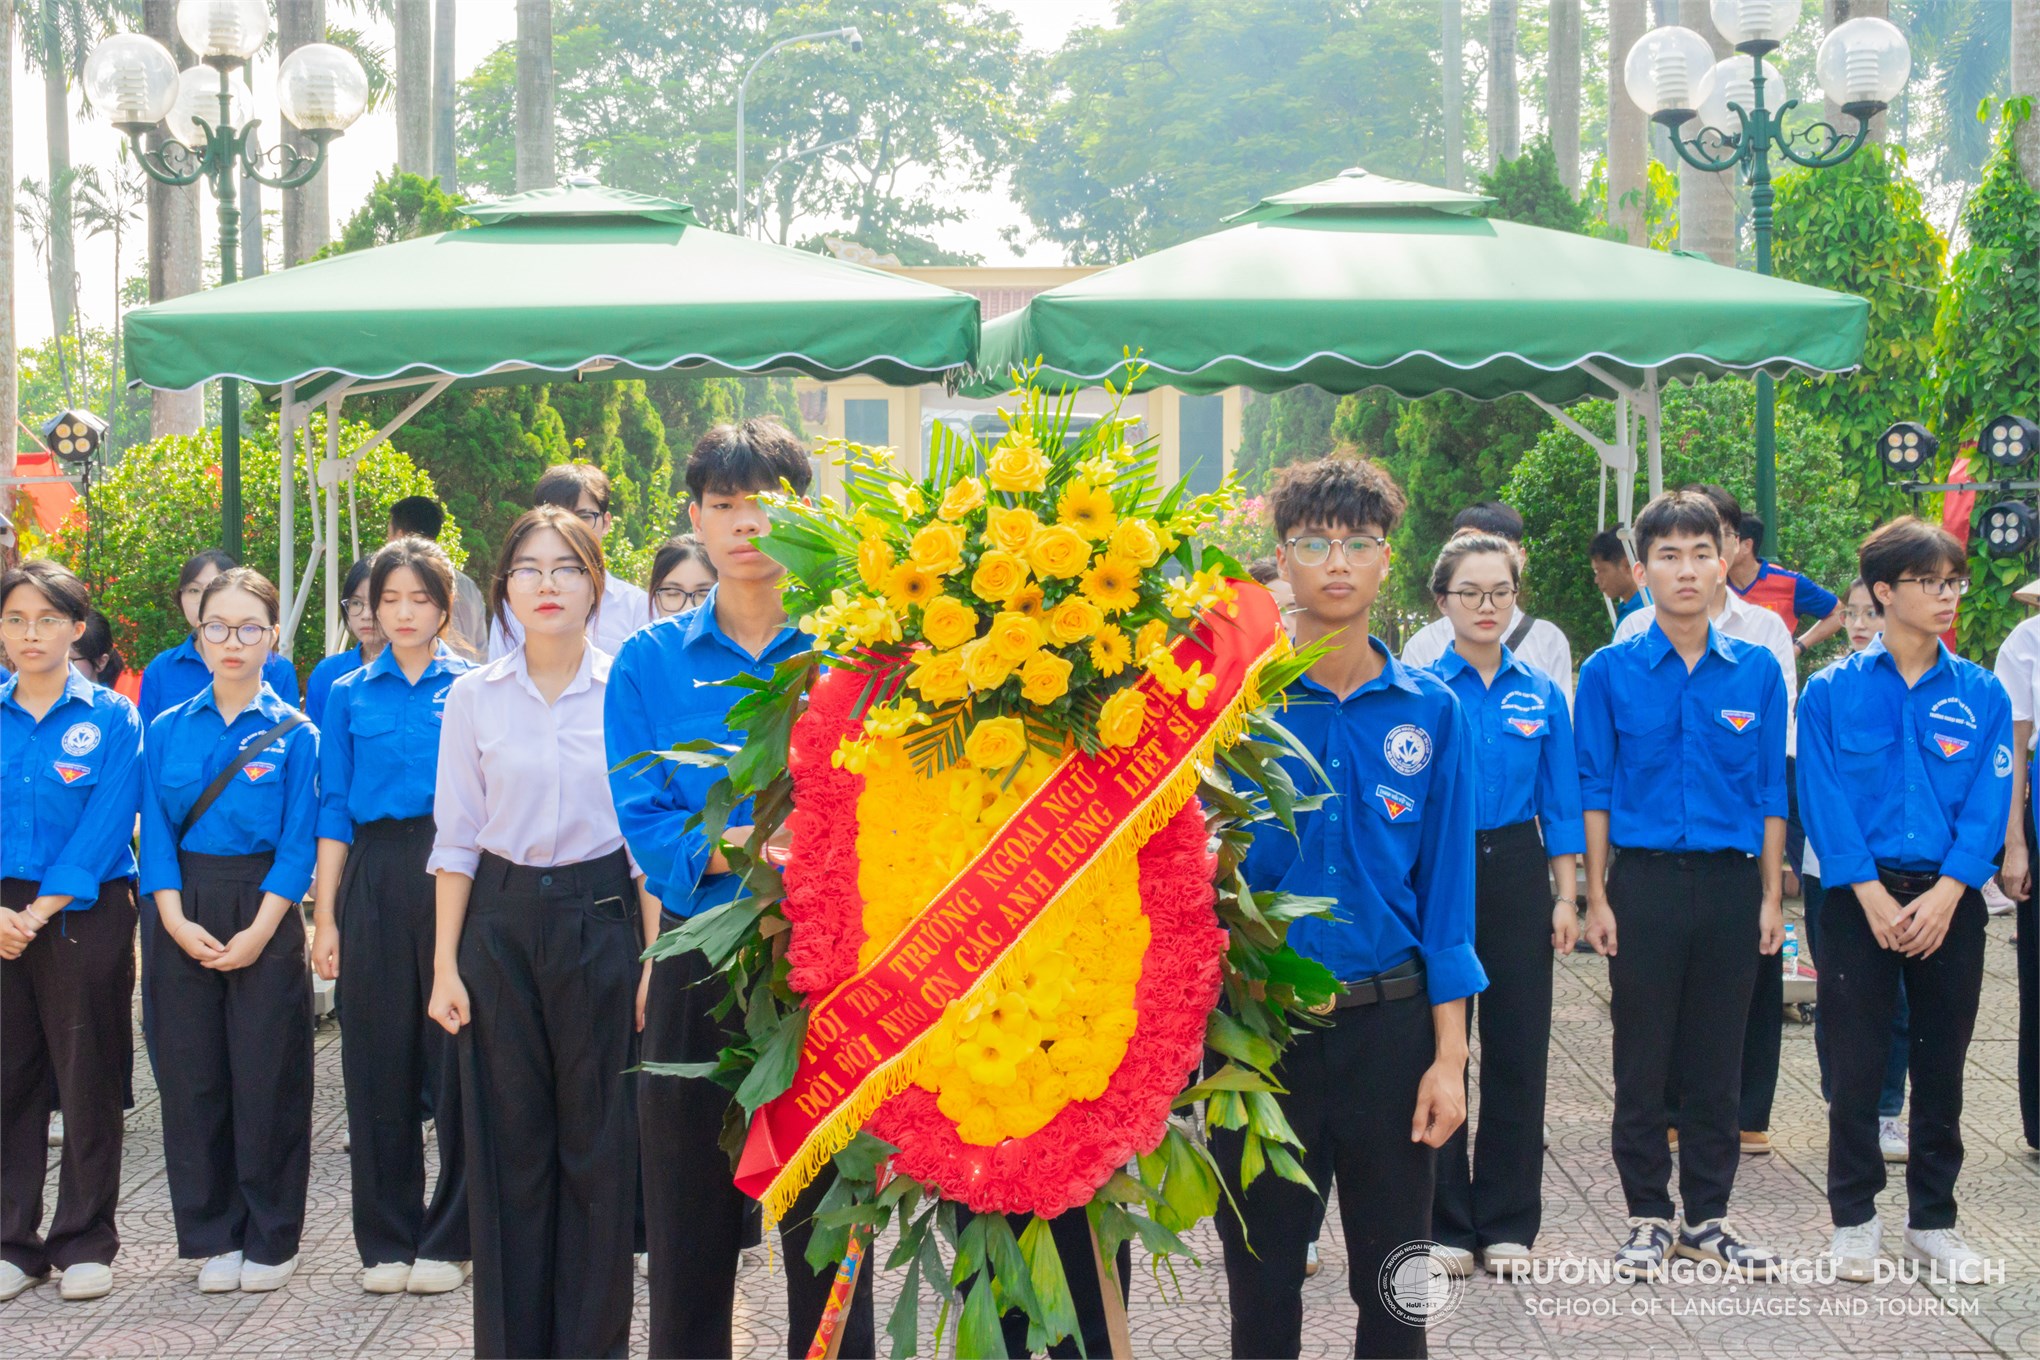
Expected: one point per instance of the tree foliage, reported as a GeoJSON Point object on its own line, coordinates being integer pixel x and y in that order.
{"type": "Point", "coordinates": [399, 207]}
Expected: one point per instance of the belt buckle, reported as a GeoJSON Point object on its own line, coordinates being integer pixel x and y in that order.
{"type": "Point", "coordinates": [1327, 1006]}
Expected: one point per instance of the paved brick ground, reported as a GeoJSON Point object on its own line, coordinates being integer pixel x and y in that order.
{"type": "Point", "coordinates": [157, 1311]}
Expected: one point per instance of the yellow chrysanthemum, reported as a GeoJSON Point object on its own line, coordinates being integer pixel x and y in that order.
{"type": "Point", "coordinates": [1058, 553]}
{"type": "Point", "coordinates": [1086, 509]}
{"type": "Point", "coordinates": [995, 744]}
{"type": "Point", "coordinates": [907, 585]}
{"type": "Point", "coordinates": [1044, 678]}
{"type": "Point", "coordinates": [948, 622]}
{"type": "Point", "coordinates": [1113, 584]}
{"type": "Point", "coordinates": [1110, 650]}
{"type": "Point", "coordinates": [964, 496]}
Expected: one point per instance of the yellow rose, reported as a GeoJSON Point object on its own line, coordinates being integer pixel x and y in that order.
{"type": "Point", "coordinates": [1122, 717]}
{"type": "Point", "coordinates": [983, 667]}
{"type": "Point", "coordinates": [907, 585]}
{"type": "Point", "coordinates": [938, 676]}
{"type": "Point", "coordinates": [1086, 509]}
{"type": "Point", "coordinates": [1152, 637]}
{"type": "Point", "coordinates": [1073, 620]}
{"type": "Point", "coordinates": [1017, 464]}
{"type": "Point", "coordinates": [1045, 678]}
{"type": "Point", "coordinates": [1014, 637]}
{"type": "Point", "coordinates": [1134, 540]}
{"type": "Point", "coordinates": [1060, 552]}
{"type": "Point", "coordinates": [996, 744]}
{"type": "Point", "coordinates": [874, 560]}
{"type": "Point", "coordinates": [1011, 528]}
{"type": "Point", "coordinates": [937, 548]}
{"type": "Point", "coordinates": [948, 622]}
{"type": "Point", "coordinates": [999, 576]}
{"type": "Point", "coordinates": [1113, 584]}
{"type": "Point", "coordinates": [965, 496]}
{"type": "Point", "coordinates": [1110, 651]}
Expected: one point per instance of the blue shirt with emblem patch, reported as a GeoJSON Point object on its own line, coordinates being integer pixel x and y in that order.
{"type": "Point", "coordinates": [1915, 778]}
{"type": "Point", "coordinates": [1682, 759]}
{"type": "Point", "coordinates": [662, 691]}
{"type": "Point", "coordinates": [181, 672]}
{"type": "Point", "coordinates": [379, 745]}
{"type": "Point", "coordinates": [1394, 843]}
{"type": "Point", "coordinates": [73, 781]}
{"type": "Point", "coordinates": [272, 805]}
{"type": "Point", "coordinates": [1523, 762]}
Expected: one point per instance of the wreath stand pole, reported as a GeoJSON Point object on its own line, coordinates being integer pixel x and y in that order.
{"type": "Point", "coordinates": [1108, 1289]}
{"type": "Point", "coordinates": [828, 1340]}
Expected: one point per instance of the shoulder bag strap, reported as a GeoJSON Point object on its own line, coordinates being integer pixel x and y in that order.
{"type": "Point", "coordinates": [1516, 635]}
{"type": "Point", "coordinates": [234, 767]}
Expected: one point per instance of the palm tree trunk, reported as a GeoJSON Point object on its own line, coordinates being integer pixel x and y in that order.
{"type": "Point", "coordinates": [175, 240]}
{"type": "Point", "coordinates": [1505, 125]}
{"type": "Point", "coordinates": [1841, 11]}
{"type": "Point", "coordinates": [1562, 91]}
{"type": "Point", "coordinates": [307, 212]}
{"type": "Point", "coordinates": [414, 86]}
{"type": "Point", "coordinates": [1452, 85]}
{"type": "Point", "coordinates": [1706, 201]}
{"type": "Point", "coordinates": [536, 168]}
{"type": "Point", "coordinates": [9, 393]}
{"type": "Point", "coordinates": [57, 119]}
{"type": "Point", "coordinates": [1627, 140]}
{"type": "Point", "coordinates": [2025, 73]}
{"type": "Point", "coordinates": [445, 163]}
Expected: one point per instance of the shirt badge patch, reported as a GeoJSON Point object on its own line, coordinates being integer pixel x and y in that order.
{"type": "Point", "coordinates": [1953, 710]}
{"type": "Point", "coordinates": [1407, 749]}
{"type": "Point", "coordinates": [1397, 805]}
{"type": "Point", "coordinates": [257, 770]}
{"type": "Point", "coordinates": [1738, 718]}
{"type": "Point", "coordinates": [2001, 761]}
{"type": "Point", "coordinates": [70, 773]}
{"type": "Point", "coordinates": [1522, 701]}
{"type": "Point", "coordinates": [81, 739]}
{"type": "Point", "coordinates": [1529, 727]}
{"type": "Point", "coordinates": [1951, 747]}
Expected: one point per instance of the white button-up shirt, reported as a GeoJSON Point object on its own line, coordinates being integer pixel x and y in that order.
{"type": "Point", "coordinates": [624, 610]}
{"type": "Point", "coordinates": [1747, 623]}
{"type": "Point", "coordinates": [1544, 647]}
{"type": "Point", "coordinates": [2018, 670]}
{"type": "Point", "coordinates": [521, 778]}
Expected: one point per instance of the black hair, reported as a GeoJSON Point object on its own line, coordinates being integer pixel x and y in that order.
{"type": "Point", "coordinates": [675, 550]}
{"type": "Point", "coordinates": [356, 578]}
{"type": "Point", "coordinates": [1490, 517]}
{"type": "Point", "coordinates": [1461, 546]}
{"type": "Point", "coordinates": [250, 580]}
{"type": "Point", "coordinates": [1677, 514]}
{"type": "Point", "coordinates": [563, 483]}
{"type": "Point", "coordinates": [1751, 529]}
{"type": "Point", "coordinates": [96, 645]}
{"type": "Point", "coordinates": [581, 542]}
{"type": "Point", "coordinates": [1726, 507]}
{"type": "Point", "coordinates": [1607, 547]}
{"type": "Point", "coordinates": [1860, 584]}
{"type": "Point", "coordinates": [1264, 570]}
{"type": "Point", "coordinates": [750, 456]}
{"type": "Point", "coordinates": [427, 560]}
{"type": "Point", "coordinates": [56, 583]}
{"type": "Point", "coordinates": [1337, 491]}
{"type": "Point", "coordinates": [196, 564]}
{"type": "Point", "coordinates": [417, 517]}
{"type": "Point", "coordinates": [1908, 544]}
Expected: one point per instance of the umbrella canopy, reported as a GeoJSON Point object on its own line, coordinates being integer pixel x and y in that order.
{"type": "Point", "coordinates": [565, 280]}
{"type": "Point", "coordinates": [1360, 281]}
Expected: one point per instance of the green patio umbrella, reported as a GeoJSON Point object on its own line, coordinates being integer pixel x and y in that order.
{"type": "Point", "coordinates": [568, 280]}
{"type": "Point", "coordinates": [1360, 281]}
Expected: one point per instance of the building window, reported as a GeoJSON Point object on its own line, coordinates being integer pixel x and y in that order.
{"type": "Point", "coordinates": [1200, 442]}
{"type": "Point", "coordinates": [865, 422]}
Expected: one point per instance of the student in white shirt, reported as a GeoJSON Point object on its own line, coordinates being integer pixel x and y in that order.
{"type": "Point", "coordinates": [621, 608]}
{"type": "Point", "coordinates": [1538, 642]}
{"type": "Point", "coordinates": [536, 963]}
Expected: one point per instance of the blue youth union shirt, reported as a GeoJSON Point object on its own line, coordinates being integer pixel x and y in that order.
{"type": "Point", "coordinates": [72, 780]}
{"type": "Point", "coordinates": [1523, 764]}
{"type": "Point", "coordinates": [272, 805]}
{"type": "Point", "coordinates": [1678, 759]}
{"type": "Point", "coordinates": [1394, 842]}
{"type": "Point", "coordinates": [661, 691]}
{"type": "Point", "coordinates": [379, 745]}
{"type": "Point", "coordinates": [181, 672]}
{"type": "Point", "coordinates": [1915, 778]}
{"type": "Point", "coordinates": [319, 684]}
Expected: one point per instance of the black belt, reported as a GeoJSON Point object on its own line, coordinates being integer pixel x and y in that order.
{"type": "Point", "coordinates": [395, 828]}
{"type": "Point", "coordinates": [1686, 859]}
{"type": "Point", "coordinates": [1399, 983]}
{"type": "Point", "coordinates": [1906, 881]}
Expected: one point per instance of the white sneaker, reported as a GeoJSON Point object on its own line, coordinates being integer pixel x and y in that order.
{"type": "Point", "coordinates": [1508, 1260]}
{"type": "Point", "coordinates": [1311, 1264]}
{"type": "Point", "coordinates": [389, 1278]}
{"type": "Point", "coordinates": [1954, 1260]}
{"type": "Point", "coordinates": [57, 1129]}
{"type": "Point", "coordinates": [644, 1265]}
{"type": "Point", "coordinates": [260, 1279]}
{"type": "Point", "coordinates": [1893, 1139]}
{"type": "Point", "coordinates": [1855, 1250]}
{"type": "Point", "coordinates": [1454, 1261]}
{"type": "Point", "coordinates": [86, 1280]}
{"type": "Point", "coordinates": [437, 1277]}
{"type": "Point", "coordinates": [14, 1281]}
{"type": "Point", "coordinates": [220, 1275]}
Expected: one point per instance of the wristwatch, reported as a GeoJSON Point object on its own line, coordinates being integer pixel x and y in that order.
{"type": "Point", "coordinates": [1798, 647]}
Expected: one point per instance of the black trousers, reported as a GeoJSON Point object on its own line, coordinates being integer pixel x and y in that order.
{"type": "Point", "coordinates": [1858, 992]}
{"type": "Point", "coordinates": [696, 1220]}
{"type": "Point", "coordinates": [398, 1065]}
{"type": "Point", "coordinates": [550, 960]}
{"type": "Point", "coordinates": [1352, 1088]}
{"type": "Point", "coordinates": [66, 1027]}
{"type": "Point", "coordinates": [234, 1054]}
{"type": "Point", "coordinates": [1685, 963]}
{"type": "Point", "coordinates": [1498, 1197]}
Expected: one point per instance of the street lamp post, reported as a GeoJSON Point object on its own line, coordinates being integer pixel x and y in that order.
{"type": "Point", "coordinates": [849, 35]}
{"type": "Point", "coordinates": [1718, 119]}
{"type": "Point", "coordinates": [321, 90]}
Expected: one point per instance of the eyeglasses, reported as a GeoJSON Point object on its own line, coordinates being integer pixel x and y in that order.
{"type": "Point", "coordinates": [1361, 550]}
{"type": "Point", "coordinates": [250, 634]}
{"type": "Point", "coordinates": [591, 518]}
{"type": "Point", "coordinates": [1469, 598]}
{"type": "Point", "coordinates": [673, 599]}
{"type": "Point", "coordinates": [1859, 616]}
{"type": "Point", "coordinates": [1938, 586]}
{"type": "Point", "coordinates": [20, 628]}
{"type": "Point", "coordinates": [560, 577]}
{"type": "Point", "coordinates": [353, 605]}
